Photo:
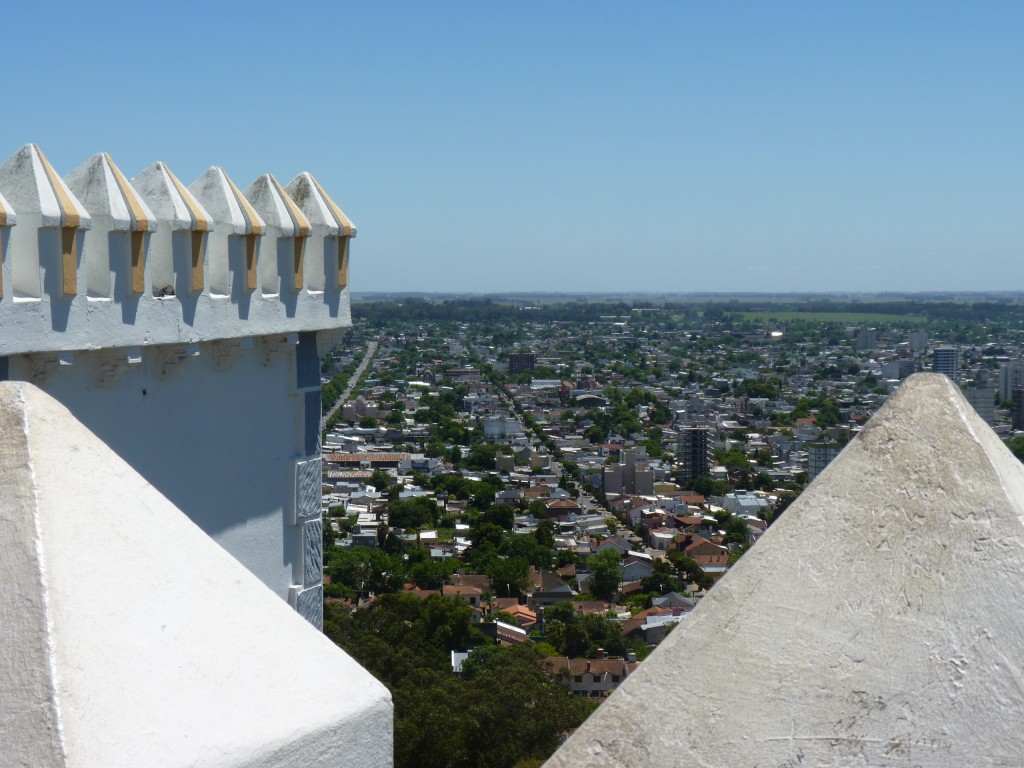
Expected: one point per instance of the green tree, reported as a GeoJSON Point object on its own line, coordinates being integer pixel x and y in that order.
{"type": "Point", "coordinates": [367, 568]}
{"type": "Point", "coordinates": [607, 573]}
{"type": "Point", "coordinates": [380, 480]}
{"type": "Point", "coordinates": [499, 514]}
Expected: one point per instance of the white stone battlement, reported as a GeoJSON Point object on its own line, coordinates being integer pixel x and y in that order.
{"type": "Point", "coordinates": [95, 261]}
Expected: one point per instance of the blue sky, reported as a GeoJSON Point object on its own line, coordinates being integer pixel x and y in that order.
{"type": "Point", "coordinates": [572, 146]}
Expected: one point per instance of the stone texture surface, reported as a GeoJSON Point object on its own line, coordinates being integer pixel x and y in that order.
{"type": "Point", "coordinates": [310, 605]}
{"type": "Point", "coordinates": [308, 490]}
{"type": "Point", "coordinates": [313, 553]}
{"type": "Point", "coordinates": [874, 625]}
{"type": "Point", "coordinates": [191, 661]}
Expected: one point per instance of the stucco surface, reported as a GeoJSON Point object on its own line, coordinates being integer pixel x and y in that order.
{"type": "Point", "coordinates": [876, 624]}
{"type": "Point", "coordinates": [218, 440]}
{"type": "Point", "coordinates": [132, 639]}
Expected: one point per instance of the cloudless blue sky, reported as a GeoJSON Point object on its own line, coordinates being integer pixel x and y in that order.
{"type": "Point", "coordinates": [571, 146]}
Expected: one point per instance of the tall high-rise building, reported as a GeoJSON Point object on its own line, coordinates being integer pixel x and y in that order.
{"type": "Point", "coordinates": [819, 456]}
{"type": "Point", "coordinates": [918, 341]}
{"type": "Point", "coordinates": [981, 394]}
{"type": "Point", "coordinates": [1011, 376]}
{"type": "Point", "coordinates": [947, 360]}
{"type": "Point", "coordinates": [694, 451]}
{"type": "Point", "coordinates": [520, 362]}
{"type": "Point", "coordinates": [1017, 408]}
{"type": "Point", "coordinates": [867, 340]}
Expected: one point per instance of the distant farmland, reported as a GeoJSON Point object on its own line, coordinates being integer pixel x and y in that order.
{"type": "Point", "coordinates": [848, 318]}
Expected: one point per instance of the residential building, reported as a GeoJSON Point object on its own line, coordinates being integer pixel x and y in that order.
{"type": "Point", "coordinates": [501, 426]}
{"type": "Point", "coordinates": [819, 455]}
{"type": "Point", "coordinates": [633, 475]}
{"type": "Point", "coordinates": [590, 677]}
{"type": "Point", "coordinates": [981, 394]}
{"type": "Point", "coordinates": [1017, 408]}
{"type": "Point", "coordinates": [867, 340]}
{"type": "Point", "coordinates": [520, 362]}
{"type": "Point", "coordinates": [1011, 377]}
{"type": "Point", "coordinates": [694, 451]}
{"type": "Point", "coordinates": [946, 360]}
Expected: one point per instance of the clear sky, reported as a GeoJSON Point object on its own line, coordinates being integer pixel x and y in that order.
{"type": "Point", "coordinates": [571, 146]}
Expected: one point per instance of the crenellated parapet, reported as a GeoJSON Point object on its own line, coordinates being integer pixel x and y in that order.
{"type": "Point", "coordinates": [95, 261]}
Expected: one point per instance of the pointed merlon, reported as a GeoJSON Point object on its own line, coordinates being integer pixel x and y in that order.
{"type": "Point", "coordinates": [130, 638]}
{"type": "Point", "coordinates": [8, 218]}
{"type": "Point", "coordinates": [874, 624]}
{"type": "Point", "coordinates": [276, 207]}
{"type": "Point", "coordinates": [31, 185]}
{"type": "Point", "coordinates": [318, 206]}
{"type": "Point", "coordinates": [219, 195]}
{"type": "Point", "coordinates": [99, 183]}
{"type": "Point", "coordinates": [170, 200]}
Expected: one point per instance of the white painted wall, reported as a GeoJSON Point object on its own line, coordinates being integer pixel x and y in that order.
{"type": "Point", "coordinates": [217, 437]}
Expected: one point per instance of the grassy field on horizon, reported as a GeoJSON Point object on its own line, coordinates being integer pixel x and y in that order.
{"type": "Point", "coordinates": [832, 317]}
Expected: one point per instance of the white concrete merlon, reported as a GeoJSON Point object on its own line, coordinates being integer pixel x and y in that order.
{"type": "Point", "coordinates": [219, 195]}
{"type": "Point", "coordinates": [99, 184]}
{"type": "Point", "coordinates": [116, 246]}
{"type": "Point", "coordinates": [283, 267]}
{"type": "Point", "coordinates": [331, 231]}
{"type": "Point", "coordinates": [46, 248]}
{"type": "Point", "coordinates": [170, 200]}
{"type": "Point", "coordinates": [130, 638]}
{"type": "Point", "coordinates": [276, 207]}
{"type": "Point", "coordinates": [32, 186]}
{"type": "Point", "coordinates": [318, 207]}
{"type": "Point", "coordinates": [234, 243]}
{"type": "Point", "coordinates": [178, 251]}
{"type": "Point", "coordinates": [874, 624]}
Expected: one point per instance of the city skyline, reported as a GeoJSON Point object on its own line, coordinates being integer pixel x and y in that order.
{"type": "Point", "coordinates": [571, 147]}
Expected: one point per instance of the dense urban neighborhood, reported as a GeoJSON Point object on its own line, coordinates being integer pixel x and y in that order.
{"type": "Point", "coordinates": [522, 497]}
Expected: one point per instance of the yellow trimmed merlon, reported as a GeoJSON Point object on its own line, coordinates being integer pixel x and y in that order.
{"type": "Point", "coordinates": [71, 219]}
{"type": "Point", "coordinates": [343, 243]}
{"type": "Point", "coordinates": [346, 230]}
{"type": "Point", "coordinates": [140, 219]}
{"type": "Point", "coordinates": [140, 225]}
{"type": "Point", "coordinates": [256, 229]}
{"type": "Point", "coordinates": [69, 216]}
{"type": "Point", "coordinates": [299, 220]}
{"type": "Point", "coordinates": [200, 223]}
{"type": "Point", "coordinates": [253, 220]}
{"type": "Point", "coordinates": [327, 219]}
